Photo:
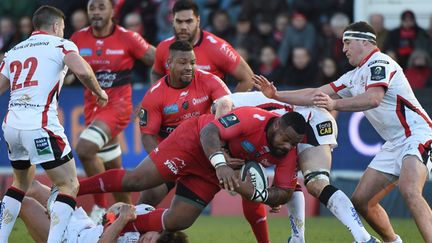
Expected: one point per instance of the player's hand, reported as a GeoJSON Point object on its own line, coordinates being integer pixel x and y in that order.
{"type": "Point", "coordinates": [234, 163]}
{"type": "Point", "coordinates": [324, 101]}
{"type": "Point", "coordinates": [266, 87]}
{"type": "Point", "coordinates": [246, 188]}
{"type": "Point", "coordinates": [102, 99]}
{"type": "Point", "coordinates": [127, 211]}
{"type": "Point", "coordinates": [227, 177]}
{"type": "Point", "coordinates": [276, 209]}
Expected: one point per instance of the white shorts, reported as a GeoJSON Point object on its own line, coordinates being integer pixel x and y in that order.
{"type": "Point", "coordinates": [81, 228]}
{"type": "Point", "coordinates": [322, 128]}
{"type": "Point", "coordinates": [389, 159]}
{"type": "Point", "coordinates": [39, 146]}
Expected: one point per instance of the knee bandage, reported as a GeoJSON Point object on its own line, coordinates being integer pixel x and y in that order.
{"type": "Point", "coordinates": [110, 152]}
{"type": "Point", "coordinates": [95, 135]}
{"type": "Point", "coordinates": [319, 174]}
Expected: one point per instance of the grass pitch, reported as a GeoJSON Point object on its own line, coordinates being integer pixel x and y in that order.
{"type": "Point", "coordinates": [236, 230]}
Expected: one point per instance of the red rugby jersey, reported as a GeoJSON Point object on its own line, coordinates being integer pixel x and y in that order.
{"type": "Point", "coordinates": [212, 53]}
{"type": "Point", "coordinates": [163, 107]}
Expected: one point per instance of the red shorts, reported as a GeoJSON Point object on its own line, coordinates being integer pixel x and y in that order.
{"type": "Point", "coordinates": [181, 157]}
{"type": "Point", "coordinates": [116, 114]}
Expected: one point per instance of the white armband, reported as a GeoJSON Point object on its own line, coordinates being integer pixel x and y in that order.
{"type": "Point", "coordinates": [217, 159]}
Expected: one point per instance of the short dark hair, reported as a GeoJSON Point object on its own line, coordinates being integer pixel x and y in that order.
{"type": "Point", "coordinates": [294, 120]}
{"type": "Point", "coordinates": [172, 237]}
{"type": "Point", "coordinates": [185, 5]}
{"type": "Point", "coordinates": [181, 45]}
{"type": "Point", "coordinates": [361, 26]}
{"type": "Point", "coordinates": [112, 2]}
{"type": "Point", "coordinates": [45, 16]}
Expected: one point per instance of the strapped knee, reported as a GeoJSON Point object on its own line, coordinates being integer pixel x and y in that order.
{"type": "Point", "coordinates": [95, 135]}
{"type": "Point", "coordinates": [110, 152]}
{"type": "Point", "coordinates": [319, 174]}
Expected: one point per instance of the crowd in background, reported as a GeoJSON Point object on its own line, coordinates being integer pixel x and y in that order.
{"type": "Point", "coordinates": [292, 42]}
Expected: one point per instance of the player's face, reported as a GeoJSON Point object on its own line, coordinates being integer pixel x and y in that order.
{"type": "Point", "coordinates": [353, 51]}
{"type": "Point", "coordinates": [283, 140]}
{"type": "Point", "coordinates": [182, 67]}
{"type": "Point", "coordinates": [100, 13]}
{"type": "Point", "coordinates": [186, 25]}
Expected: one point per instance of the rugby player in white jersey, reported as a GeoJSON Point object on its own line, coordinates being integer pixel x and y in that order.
{"type": "Point", "coordinates": [34, 70]}
{"type": "Point", "coordinates": [314, 158]}
{"type": "Point", "coordinates": [378, 87]}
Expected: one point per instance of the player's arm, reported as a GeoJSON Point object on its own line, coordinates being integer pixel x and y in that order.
{"type": "Point", "coordinates": [368, 100]}
{"type": "Point", "coordinates": [4, 84]}
{"type": "Point", "coordinates": [149, 56]}
{"type": "Point", "coordinates": [302, 97]}
{"type": "Point", "coordinates": [85, 74]}
{"type": "Point", "coordinates": [278, 196]}
{"type": "Point", "coordinates": [244, 74]}
{"type": "Point", "coordinates": [111, 233]}
{"type": "Point", "coordinates": [155, 76]}
{"type": "Point", "coordinates": [149, 142]}
{"type": "Point", "coordinates": [212, 146]}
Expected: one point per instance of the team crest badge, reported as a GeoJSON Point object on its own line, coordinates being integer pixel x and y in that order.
{"type": "Point", "coordinates": [377, 73]}
{"type": "Point", "coordinates": [99, 52]}
{"type": "Point", "coordinates": [185, 105]}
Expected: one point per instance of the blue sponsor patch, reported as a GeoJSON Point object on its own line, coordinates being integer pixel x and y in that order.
{"type": "Point", "coordinates": [85, 52]}
{"type": "Point", "coordinates": [171, 109]}
{"type": "Point", "coordinates": [248, 146]}
{"type": "Point", "coordinates": [42, 146]}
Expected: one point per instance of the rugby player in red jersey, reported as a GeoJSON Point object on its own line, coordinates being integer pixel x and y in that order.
{"type": "Point", "coordinates": [192, 156]}
{"type": "Point", "coordinates": [111, 51]}
{"type": "Point", "coordinates": [213, 54]}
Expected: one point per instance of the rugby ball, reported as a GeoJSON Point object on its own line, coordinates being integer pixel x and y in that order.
{"type": "Point", "coordinates": [257, 173]}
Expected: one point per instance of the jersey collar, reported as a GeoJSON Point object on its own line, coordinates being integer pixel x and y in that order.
{"type": "Point", "coordinates": [39, 32]}
{"type": "Point", "coordinates": [368, 56]}
{"type": "Point", "coordinates": [201, 37]}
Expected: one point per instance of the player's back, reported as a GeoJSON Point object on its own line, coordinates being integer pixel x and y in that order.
{"type": "Point", "coordinates": [36, 69]}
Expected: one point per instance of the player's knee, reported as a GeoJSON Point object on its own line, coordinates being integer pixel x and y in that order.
{"type": "Point", "coordinates": [177, 223]}
{"type": "Point", "coordinates": [409, 193]}
{"type": "Point", "coordinates": [92, 139]}
{"type": "Point", "coordinates": [360, 204]}
{"type": "Point", "coordinates": [316, 180]}
{"type": "Point", "coordinates": [69, 186]}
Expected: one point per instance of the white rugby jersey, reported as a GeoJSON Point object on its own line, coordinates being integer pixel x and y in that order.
{"type": "Point", "coordinates": [36, 69]}
{"type": "Point", "coordinates": [400, 114]}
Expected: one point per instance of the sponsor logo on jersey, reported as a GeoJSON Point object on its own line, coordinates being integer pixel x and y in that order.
{"type": "Point", "coordinates": [264, 150]}
{"type": "Point", "coordinates": [261, 118]}
{"type": "Point", "coordinates": [143, 117]}
{"type": "Point", "coordinates": [247, 146]}
{"type": "Point", "coordinates": [229, 120]}
{"type": "Point", "coordinates": [85, 52]}
{"type": "Point", "coordinates": [377, 73]}
{"type": "Point", "coordinates": [185, 105]}
{"type": "Point", "coordinates": [184, 93]}
{"type": "Point", "coordinates": [228, 52]}
{"type": "Point", "coordinates": [99, 42]}
{"type": "Point", "coordinates": [175, 164]}
{"type": "Point", "coordinates": [203, 67]}
{"type": "Point", "coordinates": [196, 101]}
{"type": "Point", "coordinates": [171, 109]}
{"type": "Point", "coordinates": [325, 128]}
{"type": "Point", "coordinates": [99, 52]}
{"type": "Point", "coordinates": [42, 146]}
{"type": "Point", "coordinates": [211, 39]}
{"type": "Point", "coordinates": [114, 52]}
{"type": "Point", "coordinates": [378, 61]}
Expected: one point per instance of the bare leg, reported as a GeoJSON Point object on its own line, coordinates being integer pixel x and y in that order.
{"type": "Point", "coordinates": [372, 188]}
{"type": "Point", "coordinates": [153, 196]}
{"type": "Point", "coordinates": [35, 219]}
{"type": "Point", "coordinates": [411, 182]}
{"type": "Point", "coordinates": [181, 215]}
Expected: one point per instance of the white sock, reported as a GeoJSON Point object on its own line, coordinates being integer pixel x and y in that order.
{"type": "Point", "coordinates": [340, 205]}
{"type": "Point", "coordinates": [398, 240]}
{"type": "Point", "coordinates": [59, 217]}
{"type": "Point", "coordinates": [296, 214]}
{"type": "Point", "coordinates": [9, 210]}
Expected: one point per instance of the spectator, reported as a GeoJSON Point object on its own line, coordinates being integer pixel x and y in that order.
{"type": "Point", "coordinates": [264, 7]}
{"type": "Point", "coordinates": [270, 65]}
{"type": "Point", "coordinates": [16, 9]}
{"type": "Point", "coordinates": [402, 41]}
{"type": "Point", "coordinates": [25, 27]}
{"type": "Point", "coordinates": [265, 31]}
{"type": "Point", "coordinates": [327, 72]}
{"type": "Point", "coordinates": [164, 20]}
{"type": "Point", "coordinates": [79, 19]}
{"type": "Point", "coordinates": [418, 71]}
{"type": "Point", "coordinates": [132, 21]}
{"type": "Point", "coordinates": [246, 37]}
{"type": "Point", "coordinates": [302, 71]}
{"type": "Point", "coordinates": [377, 22]}
{"type": "Point", "coordinates": [7, 34]}
{"type": "Point", "coordinates": [300, 33]}
{"type": "Point", "coordinates": [429, 30]}
{"type": "Point", "coordinates": [220, 25]}
{"type": "Point", "coordinates": [281, 24]}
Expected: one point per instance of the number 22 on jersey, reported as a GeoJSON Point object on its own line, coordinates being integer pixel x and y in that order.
{"type": "Point", "coordinates": [16, 67]}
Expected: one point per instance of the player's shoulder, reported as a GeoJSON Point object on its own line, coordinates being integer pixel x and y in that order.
{"type": "Point", "coordinates": [81, 32]}
{"type": "Point", "coordinates": [379, 58]}
{"type": "Point", "coordinates": [157, 87]}
{"type": "Point", "coordinates": [209, 39]}
{"type": "Point", "coordinates": [166, 43]}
